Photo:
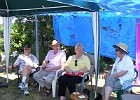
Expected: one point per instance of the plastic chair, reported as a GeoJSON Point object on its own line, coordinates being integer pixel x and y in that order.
{"type": "Point", "coordinates": [120, 92]}
{"type": "Point", "coordinates": [57, 75]}
{"type": "Point", "coordinates": [81, 85]}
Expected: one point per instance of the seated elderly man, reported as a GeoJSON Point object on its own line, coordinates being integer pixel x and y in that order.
{"type": "Point", "coordinates": [27, 63]}
{"type": "Point", "coordinates": [53, 61]}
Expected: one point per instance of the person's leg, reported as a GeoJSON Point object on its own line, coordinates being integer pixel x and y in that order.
{"type": "Point", "coordinates": [49, 78]}
{"type": "Point", "coordinates": [72, 82]}
{"type": "Point", "coordinates": [109, 84]}
{"type": "Point", "coordinates": [26, 71]}
{"type": "Point", "coordinates": [62, 82]}
{"type": "Point", "coordinates": [38, 76]}
{"type": "Point", "coordinates": [108, 91]}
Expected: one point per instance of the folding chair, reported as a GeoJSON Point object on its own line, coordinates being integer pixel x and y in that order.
{"type": "Point", "coordinates": [32, 82]}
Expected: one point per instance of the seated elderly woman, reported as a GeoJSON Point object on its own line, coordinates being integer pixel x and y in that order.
{"type": "Point", "coordinates": [123, 69]}
{"type": "Point", "coordinates": [76, 66]}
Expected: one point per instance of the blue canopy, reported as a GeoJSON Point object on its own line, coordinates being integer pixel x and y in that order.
{"type": "Point", "coordinates": [72, 28]}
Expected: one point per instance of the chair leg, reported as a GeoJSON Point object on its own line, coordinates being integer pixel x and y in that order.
{"type": "Point", "coordinates": [119, 93]}
{"type": "Point", "coordinates": [53, 88]}
{"type": "Point", "coordinates": [39, 88]}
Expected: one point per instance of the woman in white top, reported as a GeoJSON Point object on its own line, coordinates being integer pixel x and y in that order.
{"type": "Point", "coordinates": [123, 69]}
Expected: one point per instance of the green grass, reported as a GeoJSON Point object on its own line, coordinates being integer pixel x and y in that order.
{"type": "Point", "coordinates": [12, 93]}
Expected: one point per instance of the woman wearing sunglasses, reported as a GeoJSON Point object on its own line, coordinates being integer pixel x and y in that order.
{"type": "Point", "coordinates": [76, 66]}
{"type": "Point", "coordinates": [123, 69]}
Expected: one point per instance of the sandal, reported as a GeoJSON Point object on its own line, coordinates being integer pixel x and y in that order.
{"type": "Point", "coordinates": [47, 91]}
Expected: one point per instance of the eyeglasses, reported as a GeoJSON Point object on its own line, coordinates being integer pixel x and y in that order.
{"type": "Point", "coordinates": [117, 50]}
{"type": "Point", "coordinates": [75, 62]}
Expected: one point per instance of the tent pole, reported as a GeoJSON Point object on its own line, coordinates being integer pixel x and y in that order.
{"type": "Point", "coordinates": [7, 30]}
{"type": "Point", "coordinates": [36, 31]}
{"type": "Point", "coordinates": [96, 34]}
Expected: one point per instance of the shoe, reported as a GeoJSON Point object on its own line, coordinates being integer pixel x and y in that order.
{"type": "Point", "coordinates": [47, 91]}
{"type": "Point", "coordinates": [62, 98]}
{"type": "Point", "coordinates": [26, 92]}
{"type": "Point", "coordinates": [21, 86]}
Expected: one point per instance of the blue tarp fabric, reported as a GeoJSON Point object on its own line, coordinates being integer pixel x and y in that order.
{"type": "Point", "coordinates": [73, 28]}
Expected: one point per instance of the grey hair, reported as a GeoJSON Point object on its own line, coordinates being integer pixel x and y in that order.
{"type": "Point", "coordinates": [79, 45]}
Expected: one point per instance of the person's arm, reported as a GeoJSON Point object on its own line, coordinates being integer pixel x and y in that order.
{"type": "Point", "coordinates": [84, 70]}
{"type": "Point", "coordinates": [122, 73]}
{"type": "Point", "coordinates": [16, 63]}
{"type": "Point", "coordinates": [12, 66]}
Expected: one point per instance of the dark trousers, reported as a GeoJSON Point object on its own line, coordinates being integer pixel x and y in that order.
{"type": "Point", "coordinates": [68, 81]}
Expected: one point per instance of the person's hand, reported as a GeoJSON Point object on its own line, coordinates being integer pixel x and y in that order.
{"type": "Point", "coordinates": [106, 75]}
{"type": "Point", "coordinates": [10, 67]}
{"type": "Point", "coordinates": [48, 69]}
{"type": "Point", "coordinates": [70, 71]}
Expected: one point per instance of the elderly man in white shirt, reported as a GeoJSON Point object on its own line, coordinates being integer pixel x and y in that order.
{"type": "Point", "coordinates": [123, 69]}
{"type": "Point", "coordinates": [27, 63]}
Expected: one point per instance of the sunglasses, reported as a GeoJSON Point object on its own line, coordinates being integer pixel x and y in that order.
{"type": "Point", "coordinates": [117, 50]}
{"type": "Point", "coordinates": [75, 62]}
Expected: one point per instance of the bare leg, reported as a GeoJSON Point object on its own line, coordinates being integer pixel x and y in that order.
{"type": "Point", "coordinates": [103, 97]}
{"type": "Point", "coordinates": [26, 72]}
{"type": "Point", "coordinates": [108, 91]}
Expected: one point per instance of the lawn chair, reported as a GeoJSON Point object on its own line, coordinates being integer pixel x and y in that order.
{"type": "Point", "coordinates": [31, 82]}
{"type": "Point", "coordinates": [120, 92]}
{"type": "Point", "coordinates": [57, 75]}
{"type": "Point", "coordinates": [81, 85]}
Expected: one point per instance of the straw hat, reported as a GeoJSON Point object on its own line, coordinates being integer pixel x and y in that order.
{"type": "Point", "coordinates": [54, 42]}
{"type": "Point", "coordinates": [122, 46]}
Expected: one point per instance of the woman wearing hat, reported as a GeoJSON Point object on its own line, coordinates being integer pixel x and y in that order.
{"type": "Point", "coordinates": [53, 61]}
{"type": "Point", "coordinates": [123, 69]}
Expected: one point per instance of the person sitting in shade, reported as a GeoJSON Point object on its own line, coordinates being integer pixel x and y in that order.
{"type": "Point", "coordinates": [123, 69]}
{"type": "Point", "coordinates": [27, 63]}
{"type": "Point", "coordinates": [54, 60]}
{"type": "Point", "coordinates": [76, 66]}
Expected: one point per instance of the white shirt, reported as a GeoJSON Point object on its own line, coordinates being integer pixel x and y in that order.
{"type": "Point", "coordinates": [125, 64]}
{"type": "Point", "coordinates": [23, 60]}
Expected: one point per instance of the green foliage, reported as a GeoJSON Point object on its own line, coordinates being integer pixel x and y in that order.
{"type": "Point", "coordinates": [22, 32]}
{"type": "Point", "coordinates": [103, 64]}
{"type": "Point", "coordinates": [1, 39]}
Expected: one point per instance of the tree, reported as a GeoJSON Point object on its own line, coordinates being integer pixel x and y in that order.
{"type": "Point", "coordinates": [23, 32]}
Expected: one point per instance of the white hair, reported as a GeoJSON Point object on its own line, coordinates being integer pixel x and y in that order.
{"type": "Point", "coordinates": [79, 45]}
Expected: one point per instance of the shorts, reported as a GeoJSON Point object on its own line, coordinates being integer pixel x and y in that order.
{"type": "Point", "coordinates": [20, 69]}
{"type": "Point", "coordinates": [112, 82]}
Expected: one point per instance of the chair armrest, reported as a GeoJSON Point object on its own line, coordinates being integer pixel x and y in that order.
{"type": "Point", "coordinates": [84, 77]}
{"type": "Point", "coordinates": [57, 72]}
{"type": "Point", "coordinates": [127, 81]}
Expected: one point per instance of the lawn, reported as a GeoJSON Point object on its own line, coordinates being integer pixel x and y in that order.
{"type": "Point", "coordinates": [12, 93]}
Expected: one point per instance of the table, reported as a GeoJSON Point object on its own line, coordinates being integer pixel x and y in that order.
{"type": "Point", "coordinates": [78, 96]}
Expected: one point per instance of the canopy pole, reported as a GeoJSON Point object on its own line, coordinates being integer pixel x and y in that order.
{"type": "Point", "coordinates": [36, 31]}
{"type": "Point", "coordinates": [96, 34]}
{"type": "Point", "coordinates": [7, 30]}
